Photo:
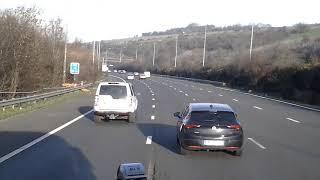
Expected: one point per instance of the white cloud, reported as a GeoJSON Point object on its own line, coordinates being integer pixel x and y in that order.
{"type": "Point", "coordinates": [104, 19]}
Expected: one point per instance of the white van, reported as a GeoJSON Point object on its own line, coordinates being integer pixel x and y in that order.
{"type": "Point", "coordinates": [147, 74]}
{"type": "Point", "coordinates": [115, 100]}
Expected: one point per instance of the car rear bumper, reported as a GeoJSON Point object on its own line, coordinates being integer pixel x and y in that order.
{"type": "Point", "coordinates": [198, 144]}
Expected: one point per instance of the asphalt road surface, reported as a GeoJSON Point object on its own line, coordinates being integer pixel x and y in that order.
{"type": "Point", "coordinates": [62, 141]}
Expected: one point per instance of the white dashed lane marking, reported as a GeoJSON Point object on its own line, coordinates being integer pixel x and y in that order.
{"type": "Point", "coordinates": [152, 117]}
{"type": "Point", "coordinates": [149, 140]}
{"type": "Point", "coordinates": [181, 91]}
{"type": "Point", "coordinates": [235, 100]}
{"type": "Point", "coordinates": [194, 99]}
{"type": "Point", "coordinates": [152, 94]}
{"type": "Point", "coordinates": [257, 143]}
{"type": "Point", "coordinates": [153, 99]}
{"type": "Point", "coordinates": [186, 94]}
{"type": "Point", "coordinates": [293, 120]}
{"type": "Point", "coordinates": [209, 91]}
{"type": "Point", "coordinates": [153, 106]}
{"type": "Point", "coordinates": [256, 107]}
{"type": "Point", "coordinates": [220, 95]}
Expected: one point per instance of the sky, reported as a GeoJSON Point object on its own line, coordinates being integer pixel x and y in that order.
{"type": "Point", "coordinates": [113, 19]}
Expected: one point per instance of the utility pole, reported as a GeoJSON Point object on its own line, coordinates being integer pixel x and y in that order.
{"type": "Point", "coordinates": [204, 46]}
{"type": "Point", "coordinates": [65, 60]}
{"type": "Point", "coordinates": [154, 53]}
{"type": "Point", "coordinates": [93, 50]}
{"type": "Point", "coordinates": [175, 58]}
{"type": "Point", "coordinates": [251, 42]}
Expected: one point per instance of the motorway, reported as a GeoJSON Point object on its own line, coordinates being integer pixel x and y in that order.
{"type": "Point", "coordinates": [63, 142]}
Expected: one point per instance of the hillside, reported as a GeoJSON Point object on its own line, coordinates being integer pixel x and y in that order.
{"type": "Point", "coordinates": [285, 60]}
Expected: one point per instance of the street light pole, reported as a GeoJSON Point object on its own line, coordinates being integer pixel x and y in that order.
{"type": "Point", "coordinates": [99, 55]}
{"type": "Point", "coordinates": [120, 53]}
{"type": "Point", "coordinates": [65, 61]}
{"type": "Point", "coordinates": [93, 51]}
{"type": "Point", "coordinates": [251, 42]}
{"type": "Point", "coordinates": [204, 46]}
{"type": "Point", "coordinates": [175, 58]}
{"type": "Point", "coordinates": [137, 54]}
{"type": "Point", "coordinates": [154, 53]}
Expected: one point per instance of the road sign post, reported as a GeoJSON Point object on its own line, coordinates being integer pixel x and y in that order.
{"type": "Point", "coordinates": [74, 69]}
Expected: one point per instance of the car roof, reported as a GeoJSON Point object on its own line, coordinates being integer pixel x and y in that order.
{"type": "Point", "coordinates": [114, 83]}
{"type": "Point", "coordinates": [210, 107]}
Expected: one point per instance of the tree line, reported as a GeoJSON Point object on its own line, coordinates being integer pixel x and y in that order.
{"type": "Point", "coordinates": [32, 51]}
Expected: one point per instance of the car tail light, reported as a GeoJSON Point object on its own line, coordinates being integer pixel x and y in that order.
{"type": "Point", "coordinates": [236, 127]}
{"type": "Point", "coordinates": [190, 126]}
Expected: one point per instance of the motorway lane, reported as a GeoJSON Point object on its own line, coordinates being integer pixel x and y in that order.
{"type": "Point", "coordinates": [287, 151]}
{"type": "Point", "coordinates": [199, 165]}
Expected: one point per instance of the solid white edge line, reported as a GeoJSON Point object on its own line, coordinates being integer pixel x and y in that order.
{"type": "Point", "coordinates": [30, 144]}
{"type": "Point", "coordinates": [257, 107]}
{"type": "Point", "coordinates": [257, 143]}
{"type": "Point", "coordinates": [293, 120]}
{"type": "Point", "coordinates": [149, 140]}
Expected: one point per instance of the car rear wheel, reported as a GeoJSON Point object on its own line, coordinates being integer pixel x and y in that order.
{"type": "Point", "coordinates": [181, 150]}
{"type": "Point", "coordinates": [97, 119]}
{"type": "Point", "coordinates": [237, 152]}
{"type": "Point", "coordinates": [132, 117]}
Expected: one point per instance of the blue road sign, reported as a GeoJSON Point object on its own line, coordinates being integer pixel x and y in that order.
{"type": "Point", "coordinates": [74, 68]}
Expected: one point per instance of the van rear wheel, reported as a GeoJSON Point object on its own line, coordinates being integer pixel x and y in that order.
{"type": "Point", "coordinates": [97, 119]}
{"type": "Point", "coordinates": [132, 117]}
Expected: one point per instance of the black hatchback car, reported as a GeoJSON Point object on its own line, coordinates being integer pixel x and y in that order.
{"type": "Point", "coordinates": [209, 126]}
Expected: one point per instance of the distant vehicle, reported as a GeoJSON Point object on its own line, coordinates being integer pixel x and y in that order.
{"type": "Point", "coordinates": [147, 74]}
{"type": "Point", "coordinates": [122, 71]}
{"type": "Point", "coordinates": [136, 73]}
{"type": "Point", "coordinates": [104, 68]}
{"type": "Point", "coordinates": [132, 171]}
{"type": "Point", "coordinates": [209, 126]}
{"type": "Point", "coordinates": [130, 77]}
{"type": "Point", "coordinates": [115, 100]}
{"type": "Point", "coordinates": [142, 76]}
{"type": "Point", "coordinates": [115, 71]}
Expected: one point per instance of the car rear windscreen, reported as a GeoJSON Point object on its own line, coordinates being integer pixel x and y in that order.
{"type": "Point", "coordinates": [207, 116]}
{"type": "Point", "coordinates": [116, 91]}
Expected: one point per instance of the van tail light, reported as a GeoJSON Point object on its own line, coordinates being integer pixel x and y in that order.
{"type": "Point", "coordinates": [191, 126]}
{"type": "Point", "coordinates": [236, 127]}
{"type": "Point", "coordinates": [96, 100]}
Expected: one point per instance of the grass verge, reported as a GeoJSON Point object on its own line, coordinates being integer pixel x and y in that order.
{"type": "Point", "coordinates": [33, 106]}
